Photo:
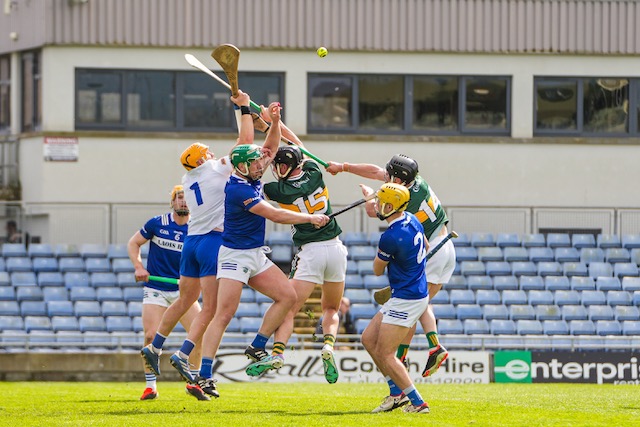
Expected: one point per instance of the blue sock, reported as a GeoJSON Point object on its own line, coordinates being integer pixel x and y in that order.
{"type": "Point", "coordinates": [206, 369]}
{"type": "Point", "coordinates": [413, 395]}
{"type": "Point", "coordinates": [393, 388]}
{"type": "Point", "coordinates": [187, 347]}
{"type": "Point", "coordinates": [260, 341]}
{"type": "Point", "coordinates": [158, 341]}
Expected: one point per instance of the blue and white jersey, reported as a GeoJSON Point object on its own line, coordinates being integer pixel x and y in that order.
{"type": "Point", "coordinates": [165, 247]}
{"type": "Point", "coordinates": [402, 245]}
{"type": "Point", "coordinates": [242, 229]}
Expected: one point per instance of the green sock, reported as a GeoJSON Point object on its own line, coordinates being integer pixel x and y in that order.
{"type": "Point", "coordinates": [403, 349]}
{"type": "Point", "coordinates": [432, 338]}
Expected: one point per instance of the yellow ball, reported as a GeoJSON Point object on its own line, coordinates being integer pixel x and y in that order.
{"type": "Point", "coordinates": [322, 52]}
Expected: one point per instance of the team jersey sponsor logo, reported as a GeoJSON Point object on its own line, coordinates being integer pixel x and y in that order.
{"type": "Point", "coordinates": [167, 244]}
{"type": "Point", "coordinates": [248, 201]}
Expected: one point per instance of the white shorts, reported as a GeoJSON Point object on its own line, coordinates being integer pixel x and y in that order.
{"type": "Point", "coordinates": [440, 267]}
{"type": "Point", "coordinates": [403, 312]}
{"type": "Point", "coordinates": [241, 264]}
{"type": "Point", "coordinates": [157, 297]}
{"type": "Point", "coordinates": [320, 262]}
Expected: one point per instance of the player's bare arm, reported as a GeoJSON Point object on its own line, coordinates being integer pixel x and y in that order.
{"type": "Point", "coordinates": [364, 170]}
{"type": "Point", "coordinates": [133, 249]}
{"type": "Point", "coordinates": [379, 266]}
{"type": "Point", "coordinates": [283, 216]}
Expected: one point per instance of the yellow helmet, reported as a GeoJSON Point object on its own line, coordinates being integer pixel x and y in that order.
{"type": "Point", "coordinates": [395, 195]}
{"type": "Point", "coordinates": [189, 157]}
{"type": "Point", "coordinates": [176, 189]}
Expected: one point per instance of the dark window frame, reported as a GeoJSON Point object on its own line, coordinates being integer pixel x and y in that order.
{"type": "Point", "coordinates": [31, 112]}
{"type": "Point", "coordinates": [5, 84]}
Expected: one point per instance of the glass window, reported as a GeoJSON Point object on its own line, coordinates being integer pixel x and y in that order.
{"type": "Point", "coordinates": [557, 105]}
{"type": "Point", "coordinates": [31, 92]}
{"type": "Point", "coordinates": [435, 103]}
{"type": "Point", "coordinates": [381, 102]}
{"type": "Point", "coordinates": [5, 92]}
{"type": "Point", "coordinates": [99, 97]}
{"type": "Point", "coordinates": [485, 103]}
{"type": "Point", "coordinates": [206, 105]}
{"type": "Point", "coordinates": [151, 99]}
{"type": "Point", "coordinates": [606, 104]}
{"type": "Point", "coordinates": [330, 106]}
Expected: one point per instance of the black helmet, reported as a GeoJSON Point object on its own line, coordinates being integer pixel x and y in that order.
{"type": "Point", "coordinates": [403, 167]}
{"type": "Point", "coordinates": [287, 155]}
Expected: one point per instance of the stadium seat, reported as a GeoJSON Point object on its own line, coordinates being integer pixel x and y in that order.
{"type": "Point", "coordinates": [589, 255]}
{"type": "Point", "coordinates": [606, 241]}
{"type": "Point", "coordinates": [76, 280]}
{"type": "Point", "coordinates": [40, 250]}
{"type": "Point", "coordinates": [97, 265]}
{"type": "Point", "coordinates": [463, 240]}
{"type": "Point", "coordinates": [631, 327]}
{"type": "Point", "coordinates": [354, 281]}
{"type": "Point", "coordinates": [248, 295]}
{"type": "Point", "coordinates": [351, 238]}
{"type": "Point", "coordinates": [582, 327]}
{"type": "Point", "coordinates": [571, 269]}
{"type": "Point", "coordinates": [115, 250]}
{"type": "Point", "coordinates": [600, 269]}
{"type": "Point", "coordinates": [631, 284]}
{"type": "Point", "coordinates": [92, 250]}
{"type": "Point", "coordinates": [524, 268]}
{"type": "Point", "coordinates": [566, 254]}
{"type": "Point", "coordinates": [529, 327]}
{"type": "Point", "coordinates": [442, 297]}
{"type": "Point", "coordinates": [14, 250]}
{"type": "Point", "coordinates": [625, 312]}
{"type": "Point", "coordinates": [543, 297]}
{"type": "Point", "coordinates": [476, 327]}
{"type": "Point", "coordinates": [487, 296]}
{"type": "Point", "coordinates": [608, 327]}
{"type": "Point", "coordinates": [134, 308]}
{"type": "Point", "coordinates": [114, 308]}
{"type": "Point", "coordinates": [490, 253]}
{"type": "Point", "coordinates": [11, 323]}
{"type": "Point", "coordinates": [444, 311]}
{"type": "Point", "coordinates": [495, 311]}
{"type": "Point", "coordinates": [579, 283]}
{"type": "Point", "coordinates": [535, 240]}
{"type": "Point", "coordinates": [600, 312]}
{"type": "Point", "coordinates": [548, 312]}
{"type": "Point", "coordinates": [361, 325]}
{"type": "Point", "coordinates": [466, 253]}
{"type": "Point", "coordinates": [71, 264]}
{"type": "Point", "coordinates": [631, 241]}
{"type": "Point", "coordinates": [358, 253]}
{"type": "Point", "coordinates": [87, 308]}
{"type": "Point", "coordinates": [37, 323]}
{"type": "Point", "coordinates": [23, 278]}
{"type": "Point", "coordinates": [137, 324]}
{"type": "Point", "coordinates": [567, 298]}
{"type": "Point", "coordinates": [362, 311]}
{"type": "Point", "coordinates": [29, 293]}
{"type": "Point", "coordinates": [541, 254]}
{"type": "Point", "coordinates": [66, 250]}
{"type": "Point", "coordinates": [248, 309]}
{"type": "Point", "coordinates": [468, 311]}
{"type": "Point", "coordinates": [593, 298]}
{"type": "Point", "coordinates": [635, 256]}
{"type": "Point", "coordinates": [234, 325]}
{"type": "Point", "coordinates": [118, 323]}
{"type": "Point", "coordinates": [358, 296]}
{"type": "Point", "coordinates": [555, 283]}
{"type": "Point", "coordinates": [529, 283]}
{"type": "Point", "coordinates": [456, 269]}
{"type": "Point", "coordinates": [556, 240]}
{"type": "Point", "coordinates": [618, 298]}
{"type": "Point", "coordinates": [60, 308]}
{"type": "Point", "coordinates": [82, 294]}
{"type": "Point", "coordinates": [374, 238]}
{"type": "Point", "coordinates": [471, 268]}
{"type": "Point", "coordinates": [56, 293]}
{"type": "Point", "coordinates": [64, 323]}
{"type": "Point", "coordinates": [504, 240]}
{"type": "Point", "coordinates": [122, 265]}
{"type": "Point", "coordinates": [462, 296]}
{"type": "Point", "coordinates": [33, 308]}
{"type": "Point", "coordinates": [555, 327]}
{"type": "Point", "coordinates": [50, 278]}
{"type": "Point", "coordinates": [498, 268]}
{"type": "Point", "coordinates": [18, 264]}
{"type": "Point", "coordinates": [100, 280]}
{"type": "Point", "coordinates": [371, 281]}
{"type": "Point", "coordinates": [9, 308]}
{"type": "Point", "coordinates": [92, 324]}
{"type": "Point", "coordinates": [580, 241]}
{"type": "Point", "coordinates": [574, 312]}
{"type": "Point", "coordinates": [510, 297]}
{"type": "Point", "coordinates": [615, 255]}
{"type": "Point", "coordinates": [549, 268]}
{"type": "Point", "coordinates": [41, 264]}
{"type": "Point", "coordinates": [5, 278]}
{"type": "Point", "coordinates": [623, 269]}
{"type": "Point", "coordinates": [502, 327]}
{"type": "Point", "coordinates": [365, 267]}
{"type": "Point", "coordinates": [458, 282]}
{"type": "Point", "coordinates": [126, 280]}
{"type": "Point", "coordinates": [482, 239]}
{"type": "Point", "coordinates": [479, 282]}
{"type": "Point", "coordinates": [515, 254]}
{"type": "Point", "coordinates": [521, 312]}
{"type": "Point", "coordinates": [501, 283]}
{"type": "Point", "coordinates": [608, 284]}
{"type": "Point", "coordinates": [450, 327]}
{"type": "Point", "coordinates": [352, 267]}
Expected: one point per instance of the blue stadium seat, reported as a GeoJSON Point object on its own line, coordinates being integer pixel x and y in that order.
{"type": "Point", "coordinates": [24, 278]}
{"type": "Point", "coordinates": [486, 296]}
{"type": "Point", "coordinates": [234, 325]}
{"type": "Point", "coordinates": [456, 269]}
{"type": "Point", "coordinates": [115, 250]}
{"type": "Point", "coordinates": [37, 250]}
{"type": "Point", "coordinates": [60, 308]}
{"type": "Point", "coordinates": [76, 280]}
{"type": "Point", "coordinates": [365, 267]}
{"type": "Point", "coordinates": [490, 253]}
{"type": "Point", "coordinates": [580, 241]}
{"type": "Point", "coordinates": [498, 268]}
{"type": "Point", "coordinates": [18, 264]}
{"type": "Point", "coordinates": [462, 240]}
{"type": "Point", "coordinates": [631, 241]}
{"type": "Point", "coordinates": [11, 323]}
{"type": "Point", "coordinates": [608, 284]}
{"type": "Point", "coordinates": [543, 297]}
{"type": "Point", "coordinates": [33, 308]}
{"type": "Point", "coordinates": [82, 294]}
{"type": "Point", "coordinates": [9, 308]}
{"type": "Point", "coordinates": [56, 293]}
{"type": "Point", "coordinates": [529, 327]}
{"type": "Point", "coordinates": [248, 295]}
{"type": "Point", "coordinates": [510, 297]}
{"type": "Point", "coordinates": [567, 297]}
{"type": "Point", "coordinates": [248, 309]}
{"type": "Point", "coordinates": [530, 283]}
{"type": "Point", "coordinates": [556, 240]}
{"type": "Point", "coordinates": [479, 239]}
{"type": "Point", "coordinates": [515, 254]}
{"type": "Point", "coordinates": [114, 308]}
{"type": "Point", "coordinates": [495, 311]}
{"type": "Point", "coordinates": [504, 240]}
{"type": "Point", "coordinates": [362, 311]}
{"type": "Point", "coordinates": [354, 281]}
{"type": "Point", "coordinates": [534, 240]}
{"type": "Point", "coordinates": [583, 283]}
{"type": "Point", "coordinates": [541, 254]}
{"type": "Point", "coordinates": [358, 296]}
{"type": "Point", "coordinates": [521, 312]}
{"type": "Point", "coordinates": [93, 250]}
{"type": "Point", "coordinates": [87, 308]}
{"type": "Point", "coordinates": [615, 255]}
{"type": "Point", "coordinates": [64, 323]}
{"type": "Point", "coordinates": [623, 269]}
{"type": "Point", "coordinates": [635, 255]}
{"type": "Point", "coordinates": [97, 265]}
{"type": "Point", "coordinates": [626, 312]}
{"type": "Point", "coordinates": [351, 238]}
{"type": "Point", "coordinates": [458, 282]}
{"type": "Point", "coordinates": [466, 253]}
{"type": "Point", "coordinates": [555, 327]}
{"type": "Point", "coordinates": [137, 323]}
{"type": "Point", "coordinates": [50, 278]}
{"type": "Point", "coordinates": [479, 282]}
{"type": "Point", "coordinates": [371, 281]}
{"type": "Point", "coordinates": [631, 284]}
{"type": "Point", "coordinates": [502, 283]}
{"type": "Point", "coordinates": [374, 238]}
{"type": "Point", "coordinates": [352, 267]}
{"type": "Point", "coordinates": [442, 297]}
{"type": "Point", "coordinates": [631, 327]}
{"type": "Point", "coordinates": [608, 327]}
{"type": "Point", "coordinates": [66, 250]}
{"type": "Point", "coordinates": [118, 324]}
{"type": "Point", "coordinates": [134, 308]}
{"type": "Point", "coordinates": [582, 327]}
{"type": "Point", "coordinates": [503, 327]}
{"type": "Point", "coordinates": [606, 241]}
{"type": "Point", "coordinates": [100, 280]}
{"type": "Point", "coordinates": [122, 265]}
{"type": "Point", "coordinates": [600, 312]}
{"type": "Point", "coordinates": [470, 268]}
{"type": "Point", "coordinates": [14, 250]}
{"type": "Point", "coordinates": [618, 298]}
{"type": "Point", "coordinates": [444, 311]}
{"type": "Point", "coordinates": [279, 238]}
{"type": "Point", "coordinates": [71, 264]}
{"type": "Point", "coordinates": [524, 268]}
{"type": "Point", "coordinates": [358, 252]}
{"type": "Point", "coordinates": [41, 264]}
{"type": "Point", "coordinates": [126, 280]}
{"type": "Point", "coordinates": [593, 298]}
{"type": "Point", "coordinates": [462, 296]}
{"type": "Point", "coordinates": [361, 325]}
{"type": "Point", "coordinates": [548, 312]}
{"type": "Point", "coordinates": [589, 255]}
{"type": "Point", "coordinates": [29, 293]}
{"type": "Point", "coordinates": [5, 278]}
{"type": "Point", "coordinates": [600, 269]}
{"type": "Point", "coordinates": [37, 323]}
{"type": "Point", "coordinates": [549, 268]}
{"type": "Point", "coordinates": [450, 327]}
{"type": "Point", "coordinates": [476, 326]}
{"type": "Point", "coordinates": [92, 324]}
{"type": "Point", "coordinates": [468, 311]}
{"type": "Point", "coordinates": [574, 312]}
{"type": "Point", "coordinates": [571, 269]}
{"type": "Point", "coordinates": [555, 283]}
{"type": "Point", "coordinates": [566, 254]}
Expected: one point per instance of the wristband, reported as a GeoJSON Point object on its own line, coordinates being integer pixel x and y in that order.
{"type": "Point", "coordinates": [244, 109]}
{"type": "Point", "coordinates": [345, 167]}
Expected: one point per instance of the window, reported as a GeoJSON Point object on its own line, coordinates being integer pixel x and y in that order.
{"type": "Point", "coordinates": [164, 100]}
{"type": "Point", "coordinates": [5, 93]}
{"type": "Point", "coordinates": [31, 92]}
{"type": "Point", "coordinates": [585, 106]}
{"type": "Point", "coordinates": [408, 104]}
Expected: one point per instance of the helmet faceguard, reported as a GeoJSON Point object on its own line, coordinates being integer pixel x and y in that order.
{"type": "Point", "coordinates": [403, 168]}
{"type": "Point", "coordinates": [178, 204]}
{"type": "Point", "coordinates": [242, 156]}
{"type": "Point", "coordinates": [394, 195]}
{"type": "Point", "coordinates": [191, 156]}
{"type": "Point", "coordinates": [290, 157]}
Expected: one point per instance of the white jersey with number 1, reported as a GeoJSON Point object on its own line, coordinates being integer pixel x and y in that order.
{"type": "Point", "coordinates": [204, 192]}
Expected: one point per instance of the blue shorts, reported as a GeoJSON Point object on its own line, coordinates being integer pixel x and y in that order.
{"type": "Point", "coordinates": [200, 255]}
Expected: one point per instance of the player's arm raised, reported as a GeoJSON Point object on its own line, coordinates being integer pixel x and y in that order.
{"type": "Point", "coordinates": [272, 141]}
{"type": "Point", "coordinates": [364, 170]}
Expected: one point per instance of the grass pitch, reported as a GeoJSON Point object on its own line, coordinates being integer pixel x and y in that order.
{"type": "Point", "coordinates": [306, 404]}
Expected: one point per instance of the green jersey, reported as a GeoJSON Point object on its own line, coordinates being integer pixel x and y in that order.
{"type": "Point", "coordinates": [424, 204]}
{"type": "Point", "coordinates": [308, 194]}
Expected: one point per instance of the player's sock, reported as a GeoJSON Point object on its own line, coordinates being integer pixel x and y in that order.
{"type": "Point", "coordinates": [432, 339]}
{"type": "Point", "coordinates": [260, 341]}
{"type": "Point", "coordinates": [278, 348]}
{"type": "Point", "coordinates": [206, 369]}
{"type": "Point", "coordinates": [186, 349]}
{"type": "Point", "coordinates": [158, 342]}
{"type": "Point", "coordinates": [329, 340]}
{"type": "Point", "coordinates": [402, 351]}
{"type": "Point", "coordinates": [413, 395]}
{"type": "Point", "coordinates": [394, 390]}
{"type": "Point", "coordinates": [195, 372]}
{"type": "Point", "coordinates": [151, 380]}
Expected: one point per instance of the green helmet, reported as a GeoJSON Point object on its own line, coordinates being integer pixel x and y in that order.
{"type": "Point", "coordinates": [245, 154]}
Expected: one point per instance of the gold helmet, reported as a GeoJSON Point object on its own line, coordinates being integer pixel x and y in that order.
{"type": "Point", "coordinates": [392, 194]}
{"type": "Point", "coordinates": [176, 189]}
{"type": "Point", "coordinates": [182, 209]}
{"type": "Point", "coordinates": [189, 157]}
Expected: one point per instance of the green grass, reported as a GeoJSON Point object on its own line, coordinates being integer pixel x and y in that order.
{"type": "Point", "coordinates": [306, 404]}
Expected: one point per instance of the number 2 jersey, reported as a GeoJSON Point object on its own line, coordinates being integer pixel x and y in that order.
{"type": "Point", "coordinates": [424, 204]}
{"type": "Point", "coordinates": [308, 194]}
